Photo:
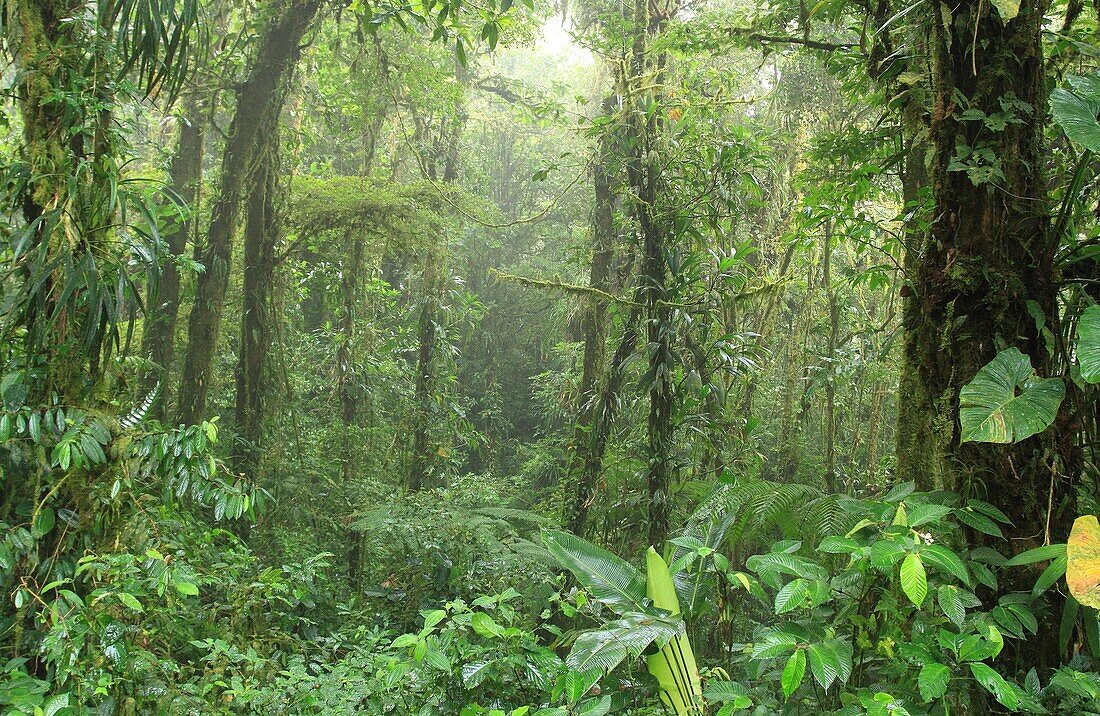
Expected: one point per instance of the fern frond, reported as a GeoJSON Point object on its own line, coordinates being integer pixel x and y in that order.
{"type": "Point", "coordinates": [138, 412]}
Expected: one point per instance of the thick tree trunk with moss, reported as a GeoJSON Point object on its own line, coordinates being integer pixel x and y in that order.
{"type": "Point", "coordinates": [159, 333]}
{"type": "Point", "coordinates": [48, 52]}
{"type": "Point", "coordinates": [988, 254]}
{"type": "Point", "coordinates": [252, 135]}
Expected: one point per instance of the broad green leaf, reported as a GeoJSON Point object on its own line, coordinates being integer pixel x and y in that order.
{"type": "Point", "coordinates": [969, 517]}
{"type": "Point", "coordinates": [484, 625]}
{"type": "Point", "coordinates": [914, 580]}
{"type": "Point", "coordinates": [1088, 341]}
{"type": "Point", "coordinates": [1083, 561]}
{"type": "Point", "coordinates": [933, 681]}
{"type": "Point", "coordinates": [1039, 554]}
{"type": "Point", "coordinates": [187, 589]}
{"type": "Point", "coordinates": [731, 691]}
{"type": "Point", "coordinates": [43, 522]}
{"type": "Point", "coordinates": [1075, 112]}
{"type": "Point", "coordinates": [949, 597]}
{"type": "Point", "coordinates": [995, 684]}
{"type": "Point", "coordinates": [1050, 575]}
{"type": "Point", "coordinates": [825, 663]}
{"type": "Point", "coordinates": [610, 579]}
{"type": "Point", "coordinates": [1006, 402]}
{"type": "Point", "coordinates": [1007, 9]}
{"type": "Point", "coordinates": [944, 559]}
{"type": "Point", "coordinates": [130, 601]}
{"type": "Point", "coordinates": [793, 673]}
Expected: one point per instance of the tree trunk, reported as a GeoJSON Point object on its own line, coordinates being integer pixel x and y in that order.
{"type": "Point", "coordinates": [830, 362]}
{"type": "Point", "coordinates": [260, 100]}
{"type": "Point", "coordinates": [348, 389]}
{"type": "Point", "coordinates": [989, 253]}
{"type": "Point", "coordinates": [159, 334]}
{"type": "Point", "coordinates": [260, 241]}
{"type": "Point", "coordinates": [595, 330]}
{"type": "Point", "coordinates": [420, 471]}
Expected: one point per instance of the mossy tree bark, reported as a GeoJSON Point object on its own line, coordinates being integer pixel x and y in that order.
{"type": "Point", "coordinates": [584, 464]}
{"type": "Point", "coordinates": [988, 255]}
{"type": "Point", "coordinates": [252, 135]}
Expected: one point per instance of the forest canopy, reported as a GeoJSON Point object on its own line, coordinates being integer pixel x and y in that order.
{"type": "Point", "coordinates": [549, 359]}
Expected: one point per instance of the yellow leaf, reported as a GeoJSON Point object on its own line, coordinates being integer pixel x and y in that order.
{"type": "Point", "coordinates": [1083, 561]}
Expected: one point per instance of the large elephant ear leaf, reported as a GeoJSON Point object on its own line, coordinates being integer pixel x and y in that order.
{"type": "Point", "coordinates": [1083, 561]}
{"type": "Point", "coordinates": [612, 580]}
{"type": "Point", "coordinates": [1006, 402]}
{"type": "Point", "coordinates": [1088, 344]}
{"type": "Point", "coordinates": [1075, 111]}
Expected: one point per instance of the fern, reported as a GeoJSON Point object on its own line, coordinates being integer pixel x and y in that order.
{"type": "Point", "coordinates": [137, 413]}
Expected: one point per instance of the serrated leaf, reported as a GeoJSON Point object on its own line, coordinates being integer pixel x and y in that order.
{"type": "Point", "coordinates": [793, 673]}
{"type": "Point", "coordinates": [1006, 402]}
{"type": "Point", "coordinates": [914, 580]}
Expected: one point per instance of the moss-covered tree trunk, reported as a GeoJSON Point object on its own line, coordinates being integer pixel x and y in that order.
{"type": "Point", "coordinates": [988, 254]}
{"type": "Point", "coordinates": [261, 235]}
{"type": "Point", "coordinates": [252, 135]}
{"type": "Point", "coordinates": [584, 470]}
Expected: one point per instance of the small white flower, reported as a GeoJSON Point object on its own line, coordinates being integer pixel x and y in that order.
{"type": "Point", "coordinates": [926, 537]}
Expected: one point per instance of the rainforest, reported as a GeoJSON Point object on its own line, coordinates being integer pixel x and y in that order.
{"type": "Point", "coordinates": [530, 358]}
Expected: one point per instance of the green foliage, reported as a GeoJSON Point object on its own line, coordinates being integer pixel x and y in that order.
{"type": "Point", "coordinates": [1006, 402]}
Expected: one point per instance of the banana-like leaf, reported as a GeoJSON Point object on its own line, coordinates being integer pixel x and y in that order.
{"type": "Point", "coordinates": [674, 665]}
{"type": "Point", "coordinates": [604, 649]}
{"type": "Point", "coordinates": [610, 579]}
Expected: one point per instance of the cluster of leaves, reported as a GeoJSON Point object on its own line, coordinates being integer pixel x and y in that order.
{"type": "Point", "coordinates": [890, 616]}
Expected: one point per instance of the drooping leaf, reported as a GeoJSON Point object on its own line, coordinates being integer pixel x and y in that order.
{"type": "Point", "coordinates": [933, 680]}
{"type": "Point", "coordinates": [1006, 402]}
{"type": "Point", "coordinates": [1074, 110]}
{"type": "Point", "coordinates": [1007, 9]}
{"type": "Point", "coordinates": [995, 684]}
{"type": "Point", "coordinates": [1083, 561]}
